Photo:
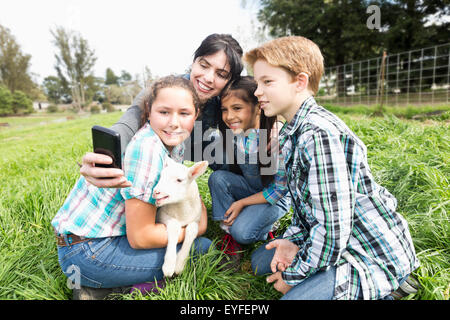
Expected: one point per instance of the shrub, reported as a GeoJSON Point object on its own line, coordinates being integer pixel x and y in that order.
{"type": "Point", "coordinates": [108, 107]}
{"type": "Point", "coordinates": [52, 108]}
{"type": "Point", "coordinates": [95, 109]}
{"type": "Point", "coordinates": [21, 104]}
{"type": "Point", "coordinates": [6, 101]}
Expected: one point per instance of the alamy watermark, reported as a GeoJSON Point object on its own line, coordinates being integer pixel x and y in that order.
{"type": "Point", "coordinates": [73, 274]}
{"type": "Point", "coordinates": [374, 20]}
{"type": "Point", "coordinates": [219, 149]}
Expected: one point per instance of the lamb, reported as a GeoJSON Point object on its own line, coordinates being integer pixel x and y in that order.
{"type": "Point", "coordinates": [178, 201]}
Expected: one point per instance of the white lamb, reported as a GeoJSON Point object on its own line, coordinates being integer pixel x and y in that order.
{"type": "Point", "coordinates": [178, 201]}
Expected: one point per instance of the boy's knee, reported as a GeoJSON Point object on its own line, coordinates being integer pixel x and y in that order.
{"type": "Point", "coordinates": [217, 179]}
{"type": "Point", "coordinates": [261, 259]}
{"type": "Point", "coordinates": [259, 267]}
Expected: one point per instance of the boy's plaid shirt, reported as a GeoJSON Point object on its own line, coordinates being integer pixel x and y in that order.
{"type": "Point", "coordinates": [100, 212]}
{"type": "Point", "coordinates": [345, 218]}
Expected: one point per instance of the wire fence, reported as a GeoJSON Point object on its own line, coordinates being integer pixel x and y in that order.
{"type": "Point", "coordinates": [419, 76]}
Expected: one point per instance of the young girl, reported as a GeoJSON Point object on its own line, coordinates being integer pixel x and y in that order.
{"type": "Point", "coordinates": [109, 236]}
{"type": "Point", "coordinates": [246, 202]}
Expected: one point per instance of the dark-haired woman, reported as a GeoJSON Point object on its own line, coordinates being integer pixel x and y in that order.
{"type": "Point", "coordinates": [217, 61]}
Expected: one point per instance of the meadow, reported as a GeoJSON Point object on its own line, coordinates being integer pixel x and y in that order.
{"type": "Point", "coordinates": [38, 157]}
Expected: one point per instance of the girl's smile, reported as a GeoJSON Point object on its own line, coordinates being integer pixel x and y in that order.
{"type": "Point", "coordinates": [238, 114]}
{"type": "Point", "coordinates": [172, 115]}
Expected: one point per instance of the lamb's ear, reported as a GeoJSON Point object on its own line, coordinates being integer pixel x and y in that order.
{"type": "Point", "coordinates": [198, 169]}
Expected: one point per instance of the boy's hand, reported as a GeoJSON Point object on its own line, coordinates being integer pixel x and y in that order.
{"type": "Point", "coordinates": [279, 284]}
{"type": "Point", "coordinates": [233, 212]}
{"type": "Point", "coordinates": [114, 177]}
{"type": "Point", "coordinates": [285, 252]}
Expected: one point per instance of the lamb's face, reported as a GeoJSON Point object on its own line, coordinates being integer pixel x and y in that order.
{"type": "Point", "coordinates": [173, 184]}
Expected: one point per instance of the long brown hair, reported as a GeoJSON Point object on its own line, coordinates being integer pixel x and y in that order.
{"type": "Point", "coordinates": [244, 88]}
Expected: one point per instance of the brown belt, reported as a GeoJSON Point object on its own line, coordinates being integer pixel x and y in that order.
{"type": "Point", "coordinates": [71, 238]}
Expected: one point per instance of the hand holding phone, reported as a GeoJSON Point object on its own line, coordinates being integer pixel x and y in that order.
{"type": "Point", "coordinates": [102, 177]}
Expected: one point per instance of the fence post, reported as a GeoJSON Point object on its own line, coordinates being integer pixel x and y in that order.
{"type": "Point", "coordinates": [407, 83]}
{"type": "Point", "coordinates": [381, 87]}
{"type": "Point", "coordinates": [420, 77]}
{"type": "Point", "coordinates": [434, 74]}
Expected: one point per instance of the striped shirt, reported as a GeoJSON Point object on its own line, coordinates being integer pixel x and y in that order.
{"type": "Point", "coordinates": [249, 146]}
{"type": "Point", "coordinates": [100, 212]}
{"type": "Point", "coordinates": [342, 217]}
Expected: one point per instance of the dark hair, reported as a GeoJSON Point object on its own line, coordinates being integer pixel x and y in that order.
{"type": "Point", "coordinates": [226, 43]}
{"type": "Point", "coordinates": [166, 82]}
{"type": "Point", "coordinates": [244, 88]}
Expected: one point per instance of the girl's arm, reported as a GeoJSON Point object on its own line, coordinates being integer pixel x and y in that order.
{"type": "Point", "coordinates": [142, 230]}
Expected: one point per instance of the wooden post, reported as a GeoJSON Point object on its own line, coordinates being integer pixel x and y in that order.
{"type": "Point", "coordinates": [381, 91]}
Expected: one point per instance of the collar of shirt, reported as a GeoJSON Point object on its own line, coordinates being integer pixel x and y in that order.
{"type": "Point", "coordinates": [286, 136]}
{"type": "Point", "coordinates": [289, 128]}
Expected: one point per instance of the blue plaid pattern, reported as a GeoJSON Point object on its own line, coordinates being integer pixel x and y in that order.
{"type": "Point", "coordinates": [342, 217]}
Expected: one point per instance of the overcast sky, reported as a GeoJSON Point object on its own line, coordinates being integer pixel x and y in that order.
{"type": "Point", "coordinates": [127, 34]}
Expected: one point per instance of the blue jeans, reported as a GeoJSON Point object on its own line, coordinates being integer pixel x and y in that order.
{"type": "Point", "coordinates": [112, 262]}
{"type": "Point", "coordinates": [255, 221]}
{"type": "Point", "coordinates": [319, 286]}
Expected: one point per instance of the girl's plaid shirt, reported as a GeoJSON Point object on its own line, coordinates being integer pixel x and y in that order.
{"type": "Point", "coordinates": [342, 217]}
{"type": "Point", "coordinates": [100, 212]}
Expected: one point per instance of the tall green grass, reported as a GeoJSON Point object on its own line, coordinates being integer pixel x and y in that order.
{"type": "Point", "coordinates": [38, 169]}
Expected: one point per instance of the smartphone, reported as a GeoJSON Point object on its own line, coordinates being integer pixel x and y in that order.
{"type": "Point", "coordinates": [107, 141]}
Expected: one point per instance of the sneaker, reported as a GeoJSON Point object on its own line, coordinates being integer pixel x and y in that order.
{"type": "Point", "coordinates": [409, 286]}
{"type": "Point", "coordinates": [272, 233]}
{"type": "Point", "coordinates": [149, 287]}
{"type": "Point", "coordinates": [232, 250]}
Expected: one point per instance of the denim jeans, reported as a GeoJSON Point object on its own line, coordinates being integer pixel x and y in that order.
{"type": "Point", "coordinates": [255, 221]}
{"type": "Point", "coordinates": [319, 286]}
{"type": "Point", "coordinates": [112, 262]}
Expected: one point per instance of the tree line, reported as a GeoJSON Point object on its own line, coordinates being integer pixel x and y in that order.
{"type": "Point", "coordinates": [74, 82]}
{"type": "Point", "coordinates": [340, 27]}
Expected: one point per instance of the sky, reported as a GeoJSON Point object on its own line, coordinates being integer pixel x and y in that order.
{"type": "Point", "coordinates": [127, 34]}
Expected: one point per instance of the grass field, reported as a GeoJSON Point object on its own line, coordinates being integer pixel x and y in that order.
{"type": "Point", "coordinates": [38, 157]}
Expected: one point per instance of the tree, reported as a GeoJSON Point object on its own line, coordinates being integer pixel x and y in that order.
{"type": "Point", "coordinates": [54, 89]}
{"type": "Point", "coordinates": [93, 86]}
{"type": "Point", "coordinates": [124, 78]}
{"type": "Point", "coordinates": [74, 62]}
{"type": "Point", "coordinates": [111, 78]}
{"type": "Point", "coordinates": [14, 65]}
{"type": "Point", "coordinates": [414, 24]}
{"type": "Point", "coordinates": [337, 27]}
{"type": "Point", "coordinates": [340, 29]}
